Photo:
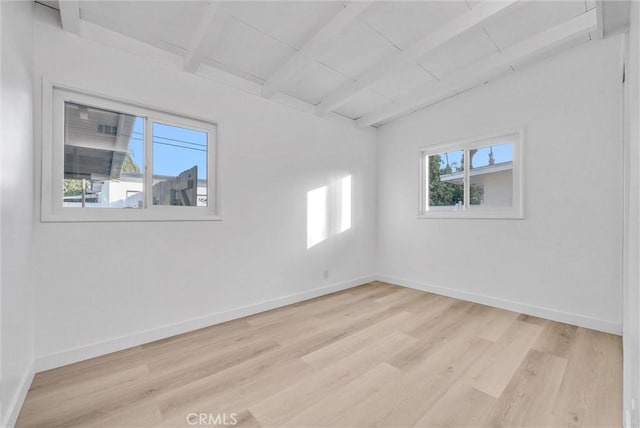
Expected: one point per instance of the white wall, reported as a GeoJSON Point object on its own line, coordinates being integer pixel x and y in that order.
{"type": "Point", "coordinates": [631, 309]}
{"type": "Point", "coordinates": [564, 261]}
{"type": "Point", "coordinates": [103, 286]}
{"type": "Point", "coordinates": [16, 193]}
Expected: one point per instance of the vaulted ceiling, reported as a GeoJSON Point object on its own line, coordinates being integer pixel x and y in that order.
{"type": "Point", "coordinates": [368, 61]}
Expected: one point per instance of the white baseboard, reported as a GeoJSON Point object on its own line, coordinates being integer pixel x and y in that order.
{"type": "Point", "coordinates": [18, 399]}
{"type": "Point", "coordinates": [85, 352]}
{"type": "Point", "coordinates": [538, 311]}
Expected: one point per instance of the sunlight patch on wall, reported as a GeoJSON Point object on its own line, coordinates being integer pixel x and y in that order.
{"type": "Point", "coordinates": [345, 204]}
{"type": "Point", "coordinates": [316, 216]}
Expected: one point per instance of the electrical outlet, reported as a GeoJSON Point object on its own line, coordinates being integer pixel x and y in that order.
{"type": "Point", "coordinates": [325, 274]}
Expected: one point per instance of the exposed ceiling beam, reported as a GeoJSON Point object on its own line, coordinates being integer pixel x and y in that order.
{"type": "Point", "coordinates": [70, 15]}
{"type": "Point", "coordinates": [480, 14]}
{"type": "Point", "coordinates": [599, 33]}
{"type": "Point", "coordinates": [615, 16]}
{"type": "Point", "coordinates": [482, 70]}
{"type": "Point", "coordinates": [194, 55]}
{"type": "Point", "coordinates": [317, 45]}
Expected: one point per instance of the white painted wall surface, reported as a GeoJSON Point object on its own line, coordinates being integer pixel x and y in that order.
{"type": "Point", "coordinates": [182, 275]}
{"type": "Point", "coordinates": [564, 260]}
{"type": "Point", "coordinates": [16, 193]}
{"type": "Point", "coordinates": [631, 308]}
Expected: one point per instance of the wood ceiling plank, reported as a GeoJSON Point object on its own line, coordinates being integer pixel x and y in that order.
{"type": "Point", "coordinates": [482, 70]}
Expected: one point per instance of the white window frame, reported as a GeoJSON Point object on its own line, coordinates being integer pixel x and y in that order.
{"type": "Point", "coordinates": [516, 211]}
{"type": "Point", "coordinates": [52, 209]}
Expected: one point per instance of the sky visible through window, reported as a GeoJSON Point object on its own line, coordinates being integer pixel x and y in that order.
{"type": "Point", "coordinates": [501, 153]}
{"type": "Point", "coordinates": [175, 149]}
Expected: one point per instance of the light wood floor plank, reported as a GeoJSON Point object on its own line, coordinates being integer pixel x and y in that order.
{"type": "Point", "coordinates": [132, 415]}
{"type": "Point", "coordinates": [493, 371]}
{"type": "Point", "coordinates": [343, 347]}
{"type": "Point", "coordinates": [556, 338]}
{"type": "Point", "coordinates": [495, 323]}
{"type": "Point", "coordinates": [590, 394]}
{"type": "Point", "coordinates": [91, 370]}
{"type": "Point", "coordinates": [334, 409]}
{"type": "Point", "coordinates": [74, 406]}
{"type": "Point", "coordinates": [275, 410]}
{"type": "Point", "coordinates": [420, 386]}
{"type": "Point", "coordinates": [529, 398]}
{"type": "Point", "coordinates": [461, 405]}
{"type": "Point", "coordinates": [376, 355]}
{"type": "Point", "coordinates": [224, 394]}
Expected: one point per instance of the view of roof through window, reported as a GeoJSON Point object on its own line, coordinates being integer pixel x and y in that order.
{"type": "Point", "coordinates": [104, 161]}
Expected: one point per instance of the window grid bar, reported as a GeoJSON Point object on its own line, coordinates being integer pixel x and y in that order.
{"type": "Point", "coordinates": [466, 182]}
{"type": "Point", "coordinates": [148, 159]}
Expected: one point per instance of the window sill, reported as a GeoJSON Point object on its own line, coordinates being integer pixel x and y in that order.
{"type": "Point", "coordinates": [80, 215]}
{"type": "Point", "coordinates": [469, 215]}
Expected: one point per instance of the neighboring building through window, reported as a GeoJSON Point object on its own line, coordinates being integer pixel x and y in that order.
{"type": "Point", "coordinates": [474, 178]}
{"type": "Point", "coordinates": [115, 156]}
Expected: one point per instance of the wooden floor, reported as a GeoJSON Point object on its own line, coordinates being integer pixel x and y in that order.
{"type": "Point", "coordinates": [375, 355]}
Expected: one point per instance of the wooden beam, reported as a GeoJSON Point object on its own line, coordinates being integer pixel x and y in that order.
{"type": "Point", "coordinates": [317, 45]}
{"type": "Point", "coordinates": [194, 55]}
{"type": "Point", "coordinates": [599, 33]}
{"type": "Point", "coordinates": [70, 15]}
{"type": "Point", "coordinates": [477, 16]}
{"type": "Point", "coordinates": [482, 70]}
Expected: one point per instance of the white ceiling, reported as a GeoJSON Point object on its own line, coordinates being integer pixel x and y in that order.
{"type": "Point", "coordinates": [308, 51]}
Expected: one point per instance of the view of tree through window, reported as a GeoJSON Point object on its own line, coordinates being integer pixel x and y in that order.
{"type": "Point", "coordinates": [446, 194]}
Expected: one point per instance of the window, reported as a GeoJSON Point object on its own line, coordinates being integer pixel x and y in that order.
{"type": "Point", "coordinates": [478, 178]}
{"type": "Point", "coordinates": [112, 161]}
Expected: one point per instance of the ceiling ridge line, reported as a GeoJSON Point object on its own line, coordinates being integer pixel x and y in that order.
{"type": "Point", "coordinates": [262, 32]}
{"type": "Point", "coordinates": [491, 39]}
{"type": "Point", "coordinates": [383, 36]}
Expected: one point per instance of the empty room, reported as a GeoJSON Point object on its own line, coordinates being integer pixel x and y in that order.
{"type": "Point", "coordinates": [319, 213]}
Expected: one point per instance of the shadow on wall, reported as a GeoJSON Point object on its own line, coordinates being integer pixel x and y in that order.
{"type": "Point", "coordinates": [328, 211]}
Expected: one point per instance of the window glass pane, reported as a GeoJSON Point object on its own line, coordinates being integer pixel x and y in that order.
{"type": "Point", "coordinates": [103, 158]}
{"type": "Point", "coordinates": [179, 166]}
{"type": "Point", "coordinates": [491, 176]}
{"type": "Point", "coordinates": [445, 181]}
